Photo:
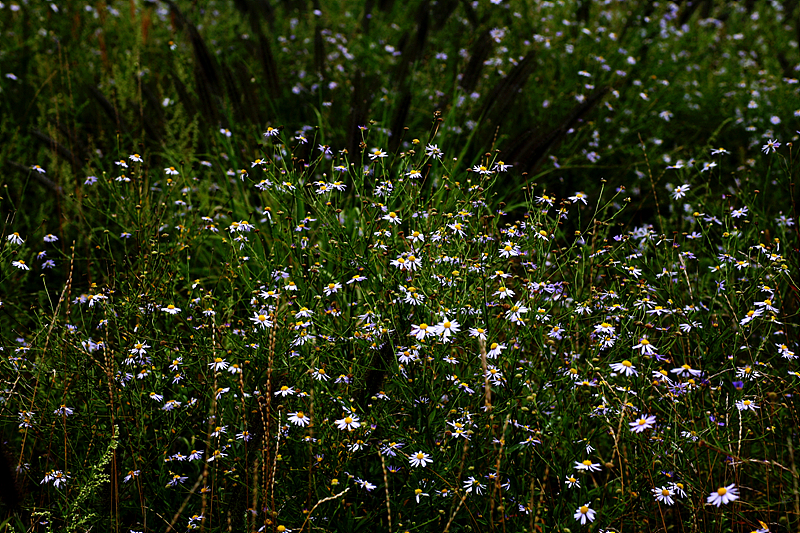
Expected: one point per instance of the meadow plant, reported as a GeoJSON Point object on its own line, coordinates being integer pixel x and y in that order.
{"type": "Point", "coordinates": [295, 267]}
{"type": "Point", "coordinates": [372, 339]}
{"type": "Point", "coordinates": [564, 88]}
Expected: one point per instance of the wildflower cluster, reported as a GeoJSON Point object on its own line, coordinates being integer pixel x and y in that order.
{"type": "Point", "coordinates": [453, 349]}
{"type": "Point", "coordinates": [497, 323]}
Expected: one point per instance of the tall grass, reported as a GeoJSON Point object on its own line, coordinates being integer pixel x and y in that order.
{"type": "Point", "coordinates": [424, 312]}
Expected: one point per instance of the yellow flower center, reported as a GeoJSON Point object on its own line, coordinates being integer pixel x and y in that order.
{"type": "Point", "coordinates": [584, 509]}
{"type": "Point", "coordinates": [348, 420]}
{"type": "Point", "coordinates": [722, 491]}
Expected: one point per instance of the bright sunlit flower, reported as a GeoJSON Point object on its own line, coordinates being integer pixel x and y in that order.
{"type": "Point", "coordinates": [446, 328]}
{"type": "Point", "coordinates": [140, 348]}
{"type": "Point", "coordinates": [585, 513]}
{"type": "Point", "coordinates": [348, 423]}
{"type": "Point", "coordinates": [422, 330]}
{"type": "Point", "coordinates": [299, 418]}
{"type": "Point", "coordinates": [432, 150]}
{"type": "Point", "coordinates": [625, 367]}
{"type": "Point", "coordinates": [377, 153]}
{"type": "Point", "coordinates": [664, 495]}
{"type": "Point", "coordinates": [261, 319]}
{"type": "Point", "coordinates": [509, 249]}
{"type": "Point", "coordinates": [769, 148]}
{"type": "Point", "coordinates": [746, 405]}
{"type": "Point", "coordinates": [685, 371]}
{"type": "Point", "coordinates": [587, 466]}
{"type": "Point", "coordinates": [645, 347]}
{"type": "Point", "coordinates": [482, 169]}
{"type": "Point", "coordinates": [578, 197]}
{"type": "Point", "coordinates": [604, 329]}
{"type": "Point", "coordinates": [419, 459]}
{"type": "Point", "coordinates": [495, 349]}
{"type": "Point", "coordinates": [392, 217]}
{"type": "Point", "coordinates": [643, 423]}
{"type": "Point", "coordinates": [680, 191]}
{"type": "Point", "coordinates": [56, 477]}
{"type": "Point", "coordinates": [724, 495]}
{"type": "Point", "coordinates": [285, 391]}
{"type": "Point", "coordinates": [218, 364]}
{"type": "Point", "coordinates": [332, 288]}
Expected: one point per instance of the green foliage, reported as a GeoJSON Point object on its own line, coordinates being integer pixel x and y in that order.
{"type": "Point", "coordinates": [80, 515]}
{"type": "Point", "coordinates": [380, 303]}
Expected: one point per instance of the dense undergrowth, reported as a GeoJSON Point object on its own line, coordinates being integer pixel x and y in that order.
{"type": "Point", "coordinates": [307, 291]}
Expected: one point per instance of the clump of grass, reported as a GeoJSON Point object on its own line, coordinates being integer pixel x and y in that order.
{"type": "Point", "coordinates": [372, 338]}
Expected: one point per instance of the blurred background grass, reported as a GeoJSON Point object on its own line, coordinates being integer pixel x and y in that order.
{"type": "Point", "coordinates": [563, 89]}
